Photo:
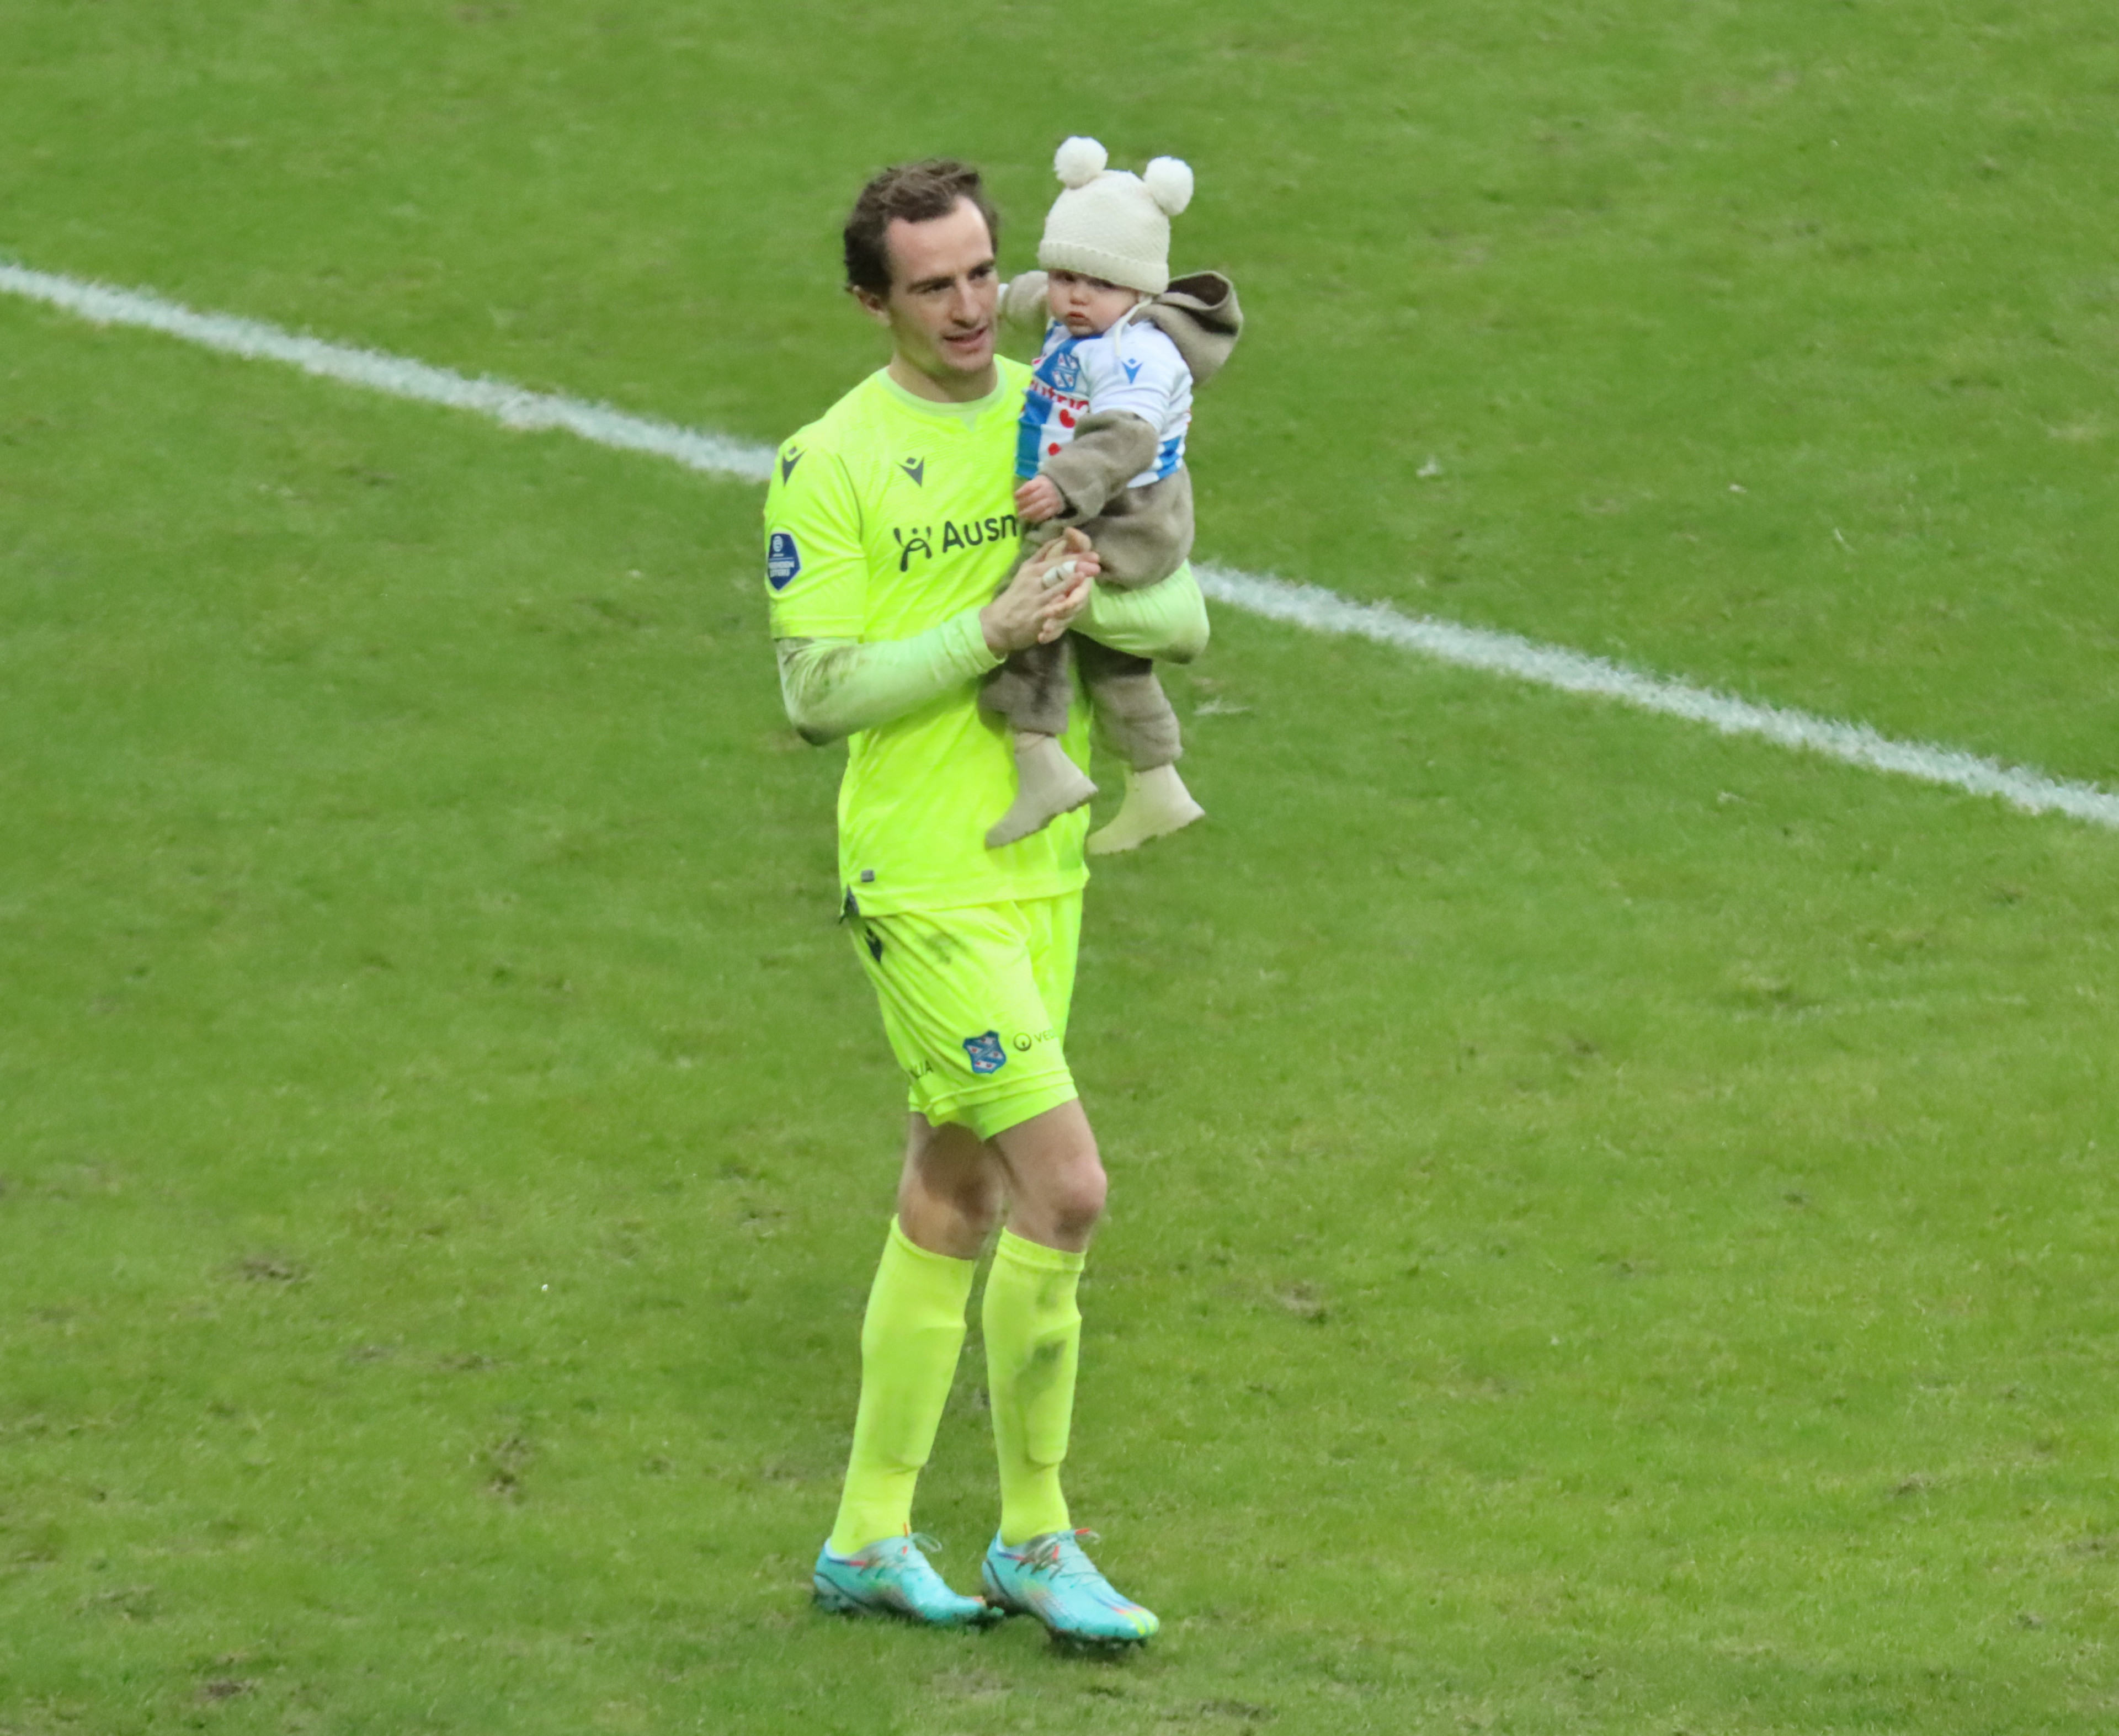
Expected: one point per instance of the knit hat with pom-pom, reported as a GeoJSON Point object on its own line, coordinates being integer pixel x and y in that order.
{"type": "Point", "coordinates": [1112, 225]}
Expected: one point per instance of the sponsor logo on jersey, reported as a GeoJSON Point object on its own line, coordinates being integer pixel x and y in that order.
{"type": "Point", "coordinates": [783, 560]}
{"type": "Point", "coordinates": [916, 469]}
{"type": "Point", "coordinates": [1043, 397]}
{"type": "Point", "coordinates": [1024, 1041]}
{"type": "Point", "coordinates": [789, 458]}
{"type": "Point", "coordinates": [984, 1052]}
{"type": "Point", "coordinates": [922, 540]}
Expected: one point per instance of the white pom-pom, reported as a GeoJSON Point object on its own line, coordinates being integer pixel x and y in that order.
{"type": "Point", "coordinates": [1169, 184]}
{"type": "Point", "coordinates": [1079, 161]}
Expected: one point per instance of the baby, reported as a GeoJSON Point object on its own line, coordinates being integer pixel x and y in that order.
{"type": "Point", "coordinates": [1102, 449]}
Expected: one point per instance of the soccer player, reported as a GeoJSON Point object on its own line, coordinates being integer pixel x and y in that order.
{"type": "Point", "coordinates": [891, 532]}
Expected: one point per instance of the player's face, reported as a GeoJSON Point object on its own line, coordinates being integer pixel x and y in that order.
{"type": "Point", "coordinates": [1086, 305]}
{"type": "Point", "coordinates": [942, 293]}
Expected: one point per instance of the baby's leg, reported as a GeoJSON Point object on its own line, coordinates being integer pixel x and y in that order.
{"type": "Point", "coordinates": [1033, 690]}
{"type": "Point", "coordinates": [1132, 709]}
{"type": "Point", "coordinates": [1135, 716]}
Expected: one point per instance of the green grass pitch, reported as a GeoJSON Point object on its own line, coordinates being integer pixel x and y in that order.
{"type": "Point", "coordinates": [1613, 1228]}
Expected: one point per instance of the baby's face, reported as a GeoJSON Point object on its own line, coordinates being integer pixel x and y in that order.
{"type": "Point", "coordinates": [1087, 304]}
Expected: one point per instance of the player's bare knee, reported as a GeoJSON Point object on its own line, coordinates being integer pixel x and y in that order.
{"type": "Point", "coordinates": [980, 1202]}
{"type": "Point", "coordinates": [951, 1183]}
{"type": "Point", "coordinates": [1075, 1199]}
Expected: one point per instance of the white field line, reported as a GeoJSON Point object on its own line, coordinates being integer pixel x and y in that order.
{"type": "Point", "coordinates": [1310, 606]}
{"type": "Point", "coordinates": [1576, 672]}
{"type": "Point", "coordinates": [513, 407]}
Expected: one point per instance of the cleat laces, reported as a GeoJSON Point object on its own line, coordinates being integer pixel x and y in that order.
{"type": "Point", "coordinates": [913, 1565]}
{"type": "Point", "coordinates": [1060, 1554]}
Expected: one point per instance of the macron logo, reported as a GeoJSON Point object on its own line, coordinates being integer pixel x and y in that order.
{"type": "Point", "coordinates": [788, 460]}
{"type": "Point", "coordinates": [1132, 371]}
{"type": "Point", "coordinates": [916, 469]}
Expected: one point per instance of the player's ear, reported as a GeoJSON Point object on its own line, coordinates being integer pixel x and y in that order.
{"type": "Point", "coordinates": [876, 307]}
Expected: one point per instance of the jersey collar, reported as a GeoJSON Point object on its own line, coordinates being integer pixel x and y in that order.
{"type": "Point", "coordinates": [968, 412]}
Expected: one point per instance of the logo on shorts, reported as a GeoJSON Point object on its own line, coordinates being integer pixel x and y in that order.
{"type": "Point", "coordinates": [985, 1052]}
{"type": "Point", "coordinates": [783, 560]}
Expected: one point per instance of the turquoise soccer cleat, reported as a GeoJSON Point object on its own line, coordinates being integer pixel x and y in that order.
{"type": "Point", "coordinates": [1051, 1578]}
{"type": "Point", "coordinates": [892, 1578]}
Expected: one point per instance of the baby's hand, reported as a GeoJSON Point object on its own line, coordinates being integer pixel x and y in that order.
{"type": "Point", "coordinates": [1039, 500]}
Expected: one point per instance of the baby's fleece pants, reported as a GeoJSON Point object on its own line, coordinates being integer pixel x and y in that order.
{"type": "Point", "coordinates": [1034, 688]}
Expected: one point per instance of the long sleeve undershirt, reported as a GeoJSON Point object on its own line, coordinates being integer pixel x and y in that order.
{"type": "Point", "coordinates": [1167, 620]}
{"type": "Point", "coordinates": [833, 687]}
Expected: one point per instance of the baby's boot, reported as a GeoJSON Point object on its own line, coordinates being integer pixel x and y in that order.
{"type": "Point", "coordinates": [1156, 802]}
{"type": "Point", "coordinates": [1047, 785]}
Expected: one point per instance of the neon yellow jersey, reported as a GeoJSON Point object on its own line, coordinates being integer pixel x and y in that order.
{"type": "Point", "coordinates": [886, 517]}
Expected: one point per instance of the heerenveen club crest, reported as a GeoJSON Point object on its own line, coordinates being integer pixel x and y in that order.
{"type": "Point", "coordinates": [986, 1053]}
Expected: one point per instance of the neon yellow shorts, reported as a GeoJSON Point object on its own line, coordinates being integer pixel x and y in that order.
{"type": "Point", "coordinates": [975, 1004]}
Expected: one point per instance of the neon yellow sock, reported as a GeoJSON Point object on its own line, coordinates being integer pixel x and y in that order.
{"type": "Point", "coordinates": [1033, 1334]}
{"type": "Point", "coordinates": [909, 1339]}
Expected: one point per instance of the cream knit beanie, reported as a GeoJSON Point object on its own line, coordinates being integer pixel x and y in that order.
{"type": "Point", "coordinates": [1112, 225]}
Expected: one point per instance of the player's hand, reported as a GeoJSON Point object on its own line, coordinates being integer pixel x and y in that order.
{"type": "Point", "coordinates": [1039, 500]}
{"type": "Point", "coordinates": [1048, 591]}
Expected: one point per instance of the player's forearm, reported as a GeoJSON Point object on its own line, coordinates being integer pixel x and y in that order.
{"type": "Point", "coordinates": [1167, 620]}
{"type": "Point", "coordinates": [832, 687]}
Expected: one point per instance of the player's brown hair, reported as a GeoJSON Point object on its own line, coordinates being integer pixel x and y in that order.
{"type": "Point", "coordinates": [912, 192]}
